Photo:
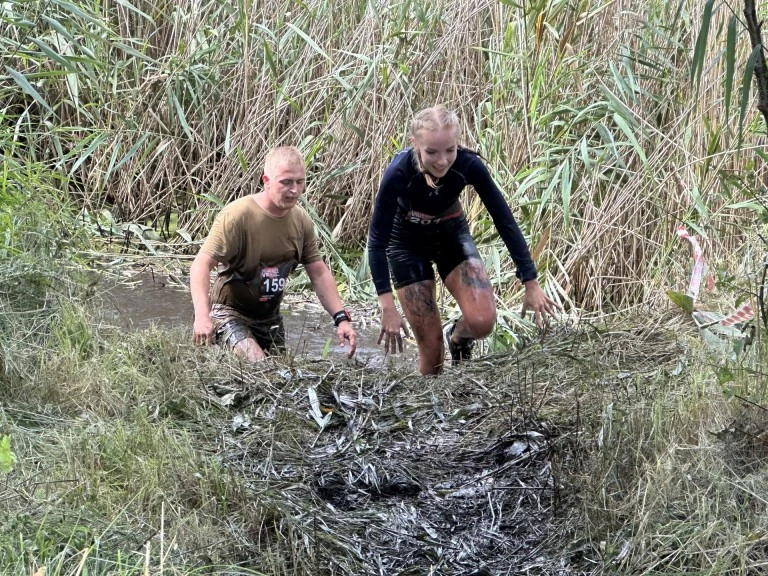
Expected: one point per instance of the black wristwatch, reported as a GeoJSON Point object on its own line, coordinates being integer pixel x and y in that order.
{"type": "Point", "coordinates": [341, 316]}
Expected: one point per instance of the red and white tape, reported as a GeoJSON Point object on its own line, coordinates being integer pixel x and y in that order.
{"type": "Point", "coordinates": [694, 286]}
{"type": "Point", "coordinates": [743, 314]}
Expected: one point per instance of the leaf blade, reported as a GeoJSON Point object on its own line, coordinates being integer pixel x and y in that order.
{"type": "Point", "coordinates": [27, 88]}
{"type": "Point", "coordinates": [310, 42]}
{"type": "Point", "coordinates": [746, 82]}
{"type": "Point", "coordinates": [730, 62]}
{"type": "Point", "coordinates": [697, 64]}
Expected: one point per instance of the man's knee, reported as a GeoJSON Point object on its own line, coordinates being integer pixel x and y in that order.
{"type": "Point", "coordinates": [249, 349]}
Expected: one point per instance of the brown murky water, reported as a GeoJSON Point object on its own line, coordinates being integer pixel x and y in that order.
{"type": "Point", "coordinates": [149, 299]}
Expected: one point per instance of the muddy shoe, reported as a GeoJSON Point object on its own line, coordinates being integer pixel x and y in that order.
{"type": "Point", "coordinates": [459, 351]}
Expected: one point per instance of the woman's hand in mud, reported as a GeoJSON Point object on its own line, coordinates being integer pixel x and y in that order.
{"type": "Point", "coordinates": [346, 332]}
{"type": "Point", "coordinates": [391, 324]}
{"type": "Point", "coordinates": [202, 331]}
{"type": "Point", "coordinates": [543, 306]}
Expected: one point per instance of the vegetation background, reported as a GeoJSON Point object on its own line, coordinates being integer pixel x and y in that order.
{"type": "Point", "coordinates": [607, 123]}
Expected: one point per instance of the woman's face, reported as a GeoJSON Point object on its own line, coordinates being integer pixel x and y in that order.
{"type": "Point", "coordinates": [437, 150]}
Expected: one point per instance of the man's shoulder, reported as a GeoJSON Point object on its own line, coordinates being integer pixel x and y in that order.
{"type": "Point", "coordinates": [237, 210]}
{"type": "Point", "coordinates": [299, 215]}
{"type": "Point", "coordinates": [242, 204]}
{"type": "Point", "coordinates": [298, 224]}
{"type": "Point", "coordinates": [299, 211]}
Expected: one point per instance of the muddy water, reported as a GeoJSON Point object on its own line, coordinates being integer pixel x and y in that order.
{"type": "Point", "coordinates": [149, 299]}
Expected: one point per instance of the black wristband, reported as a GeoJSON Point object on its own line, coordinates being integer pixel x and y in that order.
{"type": "Point", "coordinates": [341, 316]}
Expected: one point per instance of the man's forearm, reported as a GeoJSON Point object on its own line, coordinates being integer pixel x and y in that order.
{"type": "Point", "coordinates": [201, 303]}
{"type": "Point", "coordinates": [325, 288]}
{"type": "Point", "coordinates": [328, 294]}
{"type": "Point", "coordinates": [199, 285]}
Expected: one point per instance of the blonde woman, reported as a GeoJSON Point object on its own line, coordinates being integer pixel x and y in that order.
{"type": "Point", "coordinates": [417, 222]}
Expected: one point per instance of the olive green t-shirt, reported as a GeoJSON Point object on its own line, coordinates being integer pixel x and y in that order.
{"type": "Point", "coordinates": [257, 252]}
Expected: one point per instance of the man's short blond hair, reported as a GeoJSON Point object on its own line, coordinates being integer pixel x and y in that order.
{"type": "Point", "coordinates": [282, 156]}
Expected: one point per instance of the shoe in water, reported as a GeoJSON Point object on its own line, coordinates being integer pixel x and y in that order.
{"type": "Point", "coordinates": [459, 351]}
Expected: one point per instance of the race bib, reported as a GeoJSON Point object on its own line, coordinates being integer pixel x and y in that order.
{"type": "Point", "coordinates": [259, 297]}
{"type": "Point", "coordinates": [273, 282]}
{"type": "Point", "coordinates": [269, 285]}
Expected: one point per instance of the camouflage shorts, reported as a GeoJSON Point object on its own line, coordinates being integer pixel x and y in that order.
{"type": "Point", "coordinates": [232, 327]}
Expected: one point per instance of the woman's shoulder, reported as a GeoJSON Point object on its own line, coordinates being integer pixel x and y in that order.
{"type": "Point", "coordinates": [402, 159]}
{"type": "Point", "coordinates": [401, 164]}
{"type": "Point", "coordinates": [468, 157]}
{"type": "Point", "coordinates": [469, 162]}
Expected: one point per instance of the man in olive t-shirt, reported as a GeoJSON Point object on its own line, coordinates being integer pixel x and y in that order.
{"type": "Point", "coordinates": [257, 241]}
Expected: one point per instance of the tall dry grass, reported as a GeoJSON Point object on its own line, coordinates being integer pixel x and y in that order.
{"type": "Point", "coordinates": [585, 111]}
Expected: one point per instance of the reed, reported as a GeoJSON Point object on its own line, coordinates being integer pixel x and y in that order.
{"type": "Point", "coordinates": [607, 123]}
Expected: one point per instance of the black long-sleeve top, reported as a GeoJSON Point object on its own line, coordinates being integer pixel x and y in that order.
{"type": "Point", "coordinates": [404, 187]}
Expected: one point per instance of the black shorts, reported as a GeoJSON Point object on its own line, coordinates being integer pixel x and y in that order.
{"type": "Point", "coordinates": [413, 248]}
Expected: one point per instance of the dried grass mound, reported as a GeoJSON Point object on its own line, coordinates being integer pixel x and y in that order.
{"type": "Point", "coordinates": [472, 472]}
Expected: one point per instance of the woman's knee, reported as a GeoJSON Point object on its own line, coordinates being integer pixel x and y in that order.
{"type": "Point", "coordinates": [481, 322]}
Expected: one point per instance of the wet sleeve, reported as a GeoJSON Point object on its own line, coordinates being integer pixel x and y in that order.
{"type": "Point", "coordinates": [380, 229]}
{"type": "Point", "coordinates": [310, 252]}
{"type": "Point", "coordinates": [505, 222]}
{"type": "Point", "coordinates": [222, 242]}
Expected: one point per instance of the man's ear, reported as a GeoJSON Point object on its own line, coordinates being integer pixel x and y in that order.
{"type": "Point", "coordinates": [264, 178]}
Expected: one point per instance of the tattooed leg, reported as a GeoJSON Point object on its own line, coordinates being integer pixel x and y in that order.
{"type": "Point", "coordinates": [471, 288]}
{"type": "Point", "coordinates": [420, 309]}
{"type": "Point", "coordinates": [472, 275]}
{"type": "Point", "coordinates": [419, 298]}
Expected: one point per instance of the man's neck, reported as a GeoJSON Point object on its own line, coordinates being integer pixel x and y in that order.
{"type": "Point", "coordinates": [268, 206]}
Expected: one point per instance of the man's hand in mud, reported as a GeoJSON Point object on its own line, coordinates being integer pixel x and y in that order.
{"type": "Point", "coordinates": [347, 333]}
{"type": "Point", "coordinates": [202, 331]}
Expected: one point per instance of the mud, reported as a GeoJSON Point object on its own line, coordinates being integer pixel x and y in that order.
{"type": "Point", "coordinates": [146, 299]}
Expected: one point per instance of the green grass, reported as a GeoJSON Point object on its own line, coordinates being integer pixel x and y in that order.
{"type": "Point", "coordinates": [127, 460]}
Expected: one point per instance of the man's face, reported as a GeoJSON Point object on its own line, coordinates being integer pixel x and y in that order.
{"type": "Point", "coordinates": [284, 185]}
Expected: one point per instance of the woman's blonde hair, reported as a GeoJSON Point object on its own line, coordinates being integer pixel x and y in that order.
{"type": "Point", "coordinates": [432, 119]}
